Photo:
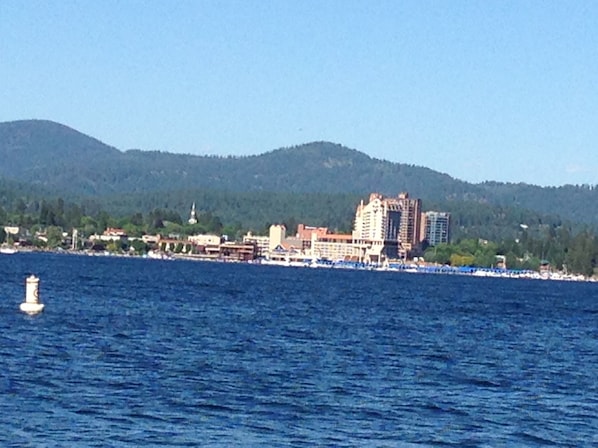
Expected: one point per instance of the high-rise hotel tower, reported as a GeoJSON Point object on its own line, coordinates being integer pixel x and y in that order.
{"type": "Point", "coordinates": [410, 227]}
{"type": "Point", "coordinates": [437, 225]}
{"type": "Point", "coordinates": [387, 227]}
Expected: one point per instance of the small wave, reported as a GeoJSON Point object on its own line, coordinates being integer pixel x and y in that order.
{"type": "Point", "coordinates": [214, 407]}
{"type": "Point", "coordinates": [526, 437]}
{"type": "Point", "coordinates": [481, 382]}
{"type": "Point", "coordinates": [87, 411]}
{"type": "Point", "coordinates": [443, 409]}
{"type": "Point", "coordinates": [146, 416]}
{"type": "Point", "coordinates": [440, 357]}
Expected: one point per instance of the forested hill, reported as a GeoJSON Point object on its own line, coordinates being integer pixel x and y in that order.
{"type": "Point", "coordinates": [48, 155]}
{"type": "Point", "coordinates": [60, 158]}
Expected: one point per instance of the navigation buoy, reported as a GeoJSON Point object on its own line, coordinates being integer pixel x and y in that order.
{"type": "Point", "coordinates": [31, 304]}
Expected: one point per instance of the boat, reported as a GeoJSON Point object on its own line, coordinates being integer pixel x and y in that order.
{"type": "Point", "coordinates": [7, 250]}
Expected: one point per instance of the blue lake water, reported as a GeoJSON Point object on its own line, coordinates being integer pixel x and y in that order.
{"type": "Point", "coordinates": [134, 352]}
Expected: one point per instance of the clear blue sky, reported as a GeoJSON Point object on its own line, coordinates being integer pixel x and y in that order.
{"type": "Point", "coordinates": [482, 90]}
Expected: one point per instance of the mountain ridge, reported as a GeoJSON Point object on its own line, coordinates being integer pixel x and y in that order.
{"type": "Point", "coordinates": [58, 158]}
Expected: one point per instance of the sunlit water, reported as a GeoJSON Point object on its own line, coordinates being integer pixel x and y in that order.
{"type": "Point", "coordinates": [133, 352]}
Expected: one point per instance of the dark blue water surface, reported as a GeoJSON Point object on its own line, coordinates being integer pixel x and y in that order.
{"type": "Point", "coordinates": [134, 352]}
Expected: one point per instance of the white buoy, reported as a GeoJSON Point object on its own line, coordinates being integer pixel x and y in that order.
{"type": "Point", "coordinates": [31, 304]}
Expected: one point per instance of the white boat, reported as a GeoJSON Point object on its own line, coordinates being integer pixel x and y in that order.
{"type": "Point", "coordinates": [7, 250]}
{"type": "Point", "coordinates": [158, 255]}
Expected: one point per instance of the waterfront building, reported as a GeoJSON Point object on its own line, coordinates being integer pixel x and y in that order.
{"type": "Point", "coordinates": [209, 249]}
{"type": "Point", "coordinates": [110, 234]}
{"type": "Point", "coordinates": [12, 231]}
{"type": "Point", "coordinates": [176, 245]}
{"type": "Point", "coordinates": [410, 224]}
{"type": "Point", "coordinates": [278, 233]}
{"type": "Point", "coordinates": [306, 233]}
{"type": "Point", "coordinates": [205, 240]}
{"type": "Point", "coordinates": [261, 242]}
{"type": "Point", "coordinates": [332, 246]}
{"type": "Point", "coordinates": [309, 243]}
{"type": "Point", "coordinates": [14, 234]}
{"type": "Point", "coordinates": [319, 243]}
{"type": "Point", "coordinates": [386, 227]}
{"type": "Point", "coordinates": [231, 251]}
{"type": "Point", "coordinates": [281, 247]}
{"type": "Point", "coordinates": [437, 227]}
{"type": "Point", "coordinates": [375, 228]}
{"type": "Point", "coordinates": [150, 239]}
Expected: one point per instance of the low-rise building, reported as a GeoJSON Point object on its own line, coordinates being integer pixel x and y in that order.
{"type": "Point", "coordinates": [278, 233]}
{"type": "Point", "coordinates": [262, 242]}
{"type": "Point", "coordinates": [205, 240]}
{"type": "Point", "coordinates": [176, 245]}
{"type": "Point", "coordinates": [110, 234]}
{"type": "Point", "coordinates": [332, 246]}
{"type": "Point", "coordinates": [305, 234]}
{"type": "Point", "coordinates": [238, 251]}
{"type": "Point", "coordinates": [150, 239]}
{"type": "Point", "coordinates": [12, 230]}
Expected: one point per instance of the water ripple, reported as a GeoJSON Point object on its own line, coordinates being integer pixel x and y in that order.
{"type": "Point", "coordinates": [134, 353]}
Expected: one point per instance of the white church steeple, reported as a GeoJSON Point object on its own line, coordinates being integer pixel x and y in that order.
{"type": "Point", "coordinates": [193, 217]}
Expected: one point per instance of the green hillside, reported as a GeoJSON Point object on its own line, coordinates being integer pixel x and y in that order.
{"type": "Point", "coordinates": [56, 159]}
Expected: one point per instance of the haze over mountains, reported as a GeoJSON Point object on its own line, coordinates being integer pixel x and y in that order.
{"type": "Point", "coordinates": [62, 161]}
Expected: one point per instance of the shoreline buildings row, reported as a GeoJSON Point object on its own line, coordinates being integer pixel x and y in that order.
{"type": "Point", "coordinates": [384, 229]}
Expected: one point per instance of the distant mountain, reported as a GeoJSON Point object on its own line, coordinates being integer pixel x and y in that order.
{"type": "Point", "coordinates": [48, 155]}
{"type": "Point", "coordinates": [58, 157]}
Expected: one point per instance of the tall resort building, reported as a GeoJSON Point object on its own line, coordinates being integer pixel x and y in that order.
{"type": "Point", "coordinates": [386, 227]}
{"type": "Point", "coordinates": [437, 227]}
{"type": "Point", "coordinates": [410, 226]}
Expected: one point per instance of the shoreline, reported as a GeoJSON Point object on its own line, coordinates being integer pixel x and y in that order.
{"type": "Point", "coordinates": [470, 271]}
